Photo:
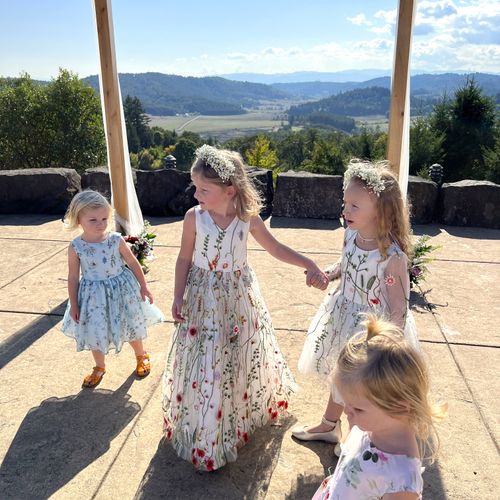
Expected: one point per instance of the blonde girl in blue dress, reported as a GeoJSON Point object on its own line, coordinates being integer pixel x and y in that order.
{"type": "Point", "coordinates": [110, 303]}
{"type": "Point", "coordinates": [225, 373]}
{"type": "Point", "coordinates": [384, 383]}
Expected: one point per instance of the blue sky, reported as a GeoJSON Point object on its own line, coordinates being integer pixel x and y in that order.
{"type": "Point", "coordinates": [202, 38]}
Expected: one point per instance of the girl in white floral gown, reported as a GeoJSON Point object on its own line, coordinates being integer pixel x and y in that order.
{"type": "Point", "coordinates": [373, 272]}
{"type": "Point", "coordinates": [111, 303]}
{"type": "Point", "coordinates": [225, 374]}
{"type": "Point", "coordinates": [384, 383]}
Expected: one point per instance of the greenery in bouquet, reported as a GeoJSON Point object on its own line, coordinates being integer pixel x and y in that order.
{"type": "Point", "coordinates": [142, 246]}
{"type": "Point", "coordinates": [420, 258]}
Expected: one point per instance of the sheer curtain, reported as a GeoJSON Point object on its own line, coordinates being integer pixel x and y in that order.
{"type": "Point", "coordinates": [135, 223]}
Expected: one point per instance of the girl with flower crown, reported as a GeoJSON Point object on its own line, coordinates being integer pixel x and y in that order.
{"type": "Point", "coordinates": [373, 273]}
{"type": "Point", "coordinates": [225, 374]}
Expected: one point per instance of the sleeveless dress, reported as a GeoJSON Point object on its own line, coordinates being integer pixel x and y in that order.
{"type": "Point", "coordinates": [368, 284]}
{"type": "Point", "coordinates": [364, 472]}
{"type": "Point", "coordinates": [111, 308]}
{"type": "Point", "coordinates": [225, 374]}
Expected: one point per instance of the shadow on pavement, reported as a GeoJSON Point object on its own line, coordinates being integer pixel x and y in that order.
{"type": "Point", "coordinates": [18, 342]}
{"type": "Point", "coordinates": [168, 476]}
{"type": "Point", "coordinates": [306, 484]}
{"type": "Point", "coordinates": [295, 223]}
{"type": "Point", "coordinates": [27, 219]}
{"type": "Point", "coordinates": [61, 437]}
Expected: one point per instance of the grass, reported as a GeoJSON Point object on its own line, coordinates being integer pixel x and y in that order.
{"type": "Point", "coordinates": [202, 124]}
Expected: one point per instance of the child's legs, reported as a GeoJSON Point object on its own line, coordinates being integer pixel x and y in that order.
{"type": "Point", "coordinates": [138, 347]}
{"type": "Point", "coordinates": [332, 413]}
{"type": "Point", "coordinates": [99, 358]}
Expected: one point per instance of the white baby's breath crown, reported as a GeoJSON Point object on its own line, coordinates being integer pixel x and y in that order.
{"type": "Point", "coordinates": [217, 160]}
{"type": "Point", "coordinates": [367, 173]}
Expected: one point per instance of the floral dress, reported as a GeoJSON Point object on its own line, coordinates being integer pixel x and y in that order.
{"type": "Point", "coordinates": [225, 374]}
{"type": "Point", "coordinates": [369, 283]}
{"type": "Point", "coordinates": [111, 308]}
{"type": "Point", "coordinates": [365, 473]}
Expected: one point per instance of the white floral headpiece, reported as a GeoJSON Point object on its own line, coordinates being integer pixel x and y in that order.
{"type": "Point", "coordinates": [366, 173]}
{"type": "Point", "coordinates": [217, 160]}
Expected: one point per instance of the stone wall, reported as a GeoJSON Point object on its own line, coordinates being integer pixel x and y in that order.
{"type": "Point", "coordinates": [297, 194]}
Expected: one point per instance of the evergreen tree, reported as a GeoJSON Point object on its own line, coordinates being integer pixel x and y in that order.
{"type": "Point", "coordinates": [261, 155]}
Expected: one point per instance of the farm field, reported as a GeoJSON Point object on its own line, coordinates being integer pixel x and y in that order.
{"type": "Point", "coordinates": [220, 125]}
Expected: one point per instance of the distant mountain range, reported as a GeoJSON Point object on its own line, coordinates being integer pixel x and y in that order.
{"type": "Point", "coordinates": [171, 94]}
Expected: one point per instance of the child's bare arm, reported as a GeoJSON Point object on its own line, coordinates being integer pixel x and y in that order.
{"type": "Point", "coordinates": [73, 282]}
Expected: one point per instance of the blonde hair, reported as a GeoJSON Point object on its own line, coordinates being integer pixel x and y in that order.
{"type": "Point", "coordinates": [394, 378]}
{"type": "Point", "coordinates": [85, 200]}
{"type": "Point", "coordinates": [247, 200]}
{"type": "Point", "coordinates": [393, 218]}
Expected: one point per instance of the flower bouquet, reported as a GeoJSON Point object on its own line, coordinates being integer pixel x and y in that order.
{"type": "Point", "coordinates": [142, 246]}
{"type": "Point", "coordinates": [420, 258]}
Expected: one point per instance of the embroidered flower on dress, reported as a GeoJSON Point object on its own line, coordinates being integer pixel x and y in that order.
{"type": "Point", "coordinates": [368, 174]}
{"type": "Point", "coordinates": [217, 160]}
{"type": "Point", "coordinates": [389, 280]}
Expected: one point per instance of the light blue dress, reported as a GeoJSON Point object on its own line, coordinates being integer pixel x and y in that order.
{"type": "Point", "coordinates": [111, 308]}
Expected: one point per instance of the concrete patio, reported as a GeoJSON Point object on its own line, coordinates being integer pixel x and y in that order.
{"type": "Point", "coordinates": [60, 441]}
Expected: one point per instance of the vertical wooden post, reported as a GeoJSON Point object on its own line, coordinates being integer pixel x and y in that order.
{"type": "Point", "coordinates": [400, 87]}
{"type": "Point", "coordinates": [112, 106]}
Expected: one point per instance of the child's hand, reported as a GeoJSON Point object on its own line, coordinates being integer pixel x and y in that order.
{"type": "Point", "coordinates": [316, 278]}
{"type": "Point", "coordinates": [74, 312]}
{"type": "Point", "coordinates": [145, 292]}
{"type": "Point", "coordinates": [176, 311]}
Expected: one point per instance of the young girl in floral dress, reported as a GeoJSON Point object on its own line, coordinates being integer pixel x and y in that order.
{"type": "Point", "coordinates": [225, 373]}
{"type": "Point", "coordinates": [373, 273]}
{"type": "Point", "coordinates": [384, 384]}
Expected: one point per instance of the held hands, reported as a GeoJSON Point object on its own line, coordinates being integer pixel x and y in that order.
{"type": "Point", "coordinates": [316, 278]}
{"type": "Point", "coordinates": [177, 310]}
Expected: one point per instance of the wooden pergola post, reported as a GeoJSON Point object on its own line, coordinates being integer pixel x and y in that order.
{"type": "Point", "coordinates": [400, 85]}
{"type": "Point", "coordinates": [110, 91]}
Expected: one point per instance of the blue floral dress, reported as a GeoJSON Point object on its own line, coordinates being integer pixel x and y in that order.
{"type": "Point", "coordinates": [225, 373]}
{"type": "Point", "coordinates": [365, 473]}
{"type": "Point", "coordinates": [111, 308]}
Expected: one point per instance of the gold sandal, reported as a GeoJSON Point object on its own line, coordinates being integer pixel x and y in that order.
{"type": "Point", "coordinates": [95, 377]}
{"type": "Point", "coordinates": [143, 365]}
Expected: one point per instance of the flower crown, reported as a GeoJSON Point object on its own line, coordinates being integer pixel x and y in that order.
{"type": "Point", "coordinates": [366, 173]}
{"type": "Point", "coordinates": [222, 165]}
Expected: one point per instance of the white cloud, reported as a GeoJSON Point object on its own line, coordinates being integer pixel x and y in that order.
{"type": "Point", "coordinates": [359, 20]}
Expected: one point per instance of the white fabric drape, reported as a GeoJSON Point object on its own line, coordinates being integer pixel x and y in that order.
{"type": "Point", "coordinates": [135, 223]}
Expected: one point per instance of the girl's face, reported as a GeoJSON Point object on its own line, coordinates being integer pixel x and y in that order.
{"type": "Point", "coordinates": [360, 411]}
{"type": "Point", "coordinates": [360, 209]}
{"type": "Point", "coordinates": [94, 222]}
{"type": "Point", "coordinates": [211, 196]}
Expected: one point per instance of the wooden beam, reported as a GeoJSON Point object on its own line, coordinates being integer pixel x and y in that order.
{"type": "Point", "coordinates": [400, 86]}
{"type": "Point", "coordinates": [112, 106]}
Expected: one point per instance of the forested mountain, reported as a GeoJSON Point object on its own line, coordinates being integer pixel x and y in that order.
{"type": "Point", "coordinates": [170, 94]}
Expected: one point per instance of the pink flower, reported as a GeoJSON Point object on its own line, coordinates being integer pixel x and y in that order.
{"type": "Point", "coordinates": [179, 397]}
{"type": "Point", "coordinates": [245, 437]}
{"type": "Point", "coordinates": [210, 465]}
{"type": "Point", "coordinates": [274, 415]}
{"type": "Point", "coordinates": [193, 331]}
{"type": "Point", "coordinates": [219, 414]}
{"type": "Point", "coordinates": [389, 280]}
{"type": "Point", "coordinates": [236, 330]}
{"type": "Point", "coordinates": [375, 301]}
{"type": "Point", "coordinates": [245, 396]}
{"type": "Point", "coordinates": [193, 385]}
{"type": "Point", "coordinates": [225, 265]}
{"type": "Point", "coordinates": [200, 452]}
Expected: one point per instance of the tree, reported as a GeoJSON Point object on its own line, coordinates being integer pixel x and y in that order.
{"type": "Point", "coordinates": [139, 134]}
{"type": "Point", "coordinates": [467, 124]}
{"type": "Point", "coordinates": [261, 155]}
{"type": "Point", "coordinates": [184, 153]}
{"type": "Point", "coordinates": [54, 125]}
{"type": "Point", "coordinates": [326, 158]}
{"type": "Point", "coordinates": [492, 160]}
{"type": "Point", "coordinates": [426, 146]}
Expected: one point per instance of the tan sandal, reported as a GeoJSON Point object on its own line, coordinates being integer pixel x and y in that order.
{"type": "Point", "coordinates": [95, 377]}
{"type": "Point", "coordinates": [143, 365]}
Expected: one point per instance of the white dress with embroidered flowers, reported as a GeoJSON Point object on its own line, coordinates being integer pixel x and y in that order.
{"type": "Point", "coordinates": [225, 374]}
{"type": "Point", "coordinates": [111, 308]}
{"type": "Point", "coordinates": [364, 472]}
{"type": "Point", "coordinates": [368, 283]}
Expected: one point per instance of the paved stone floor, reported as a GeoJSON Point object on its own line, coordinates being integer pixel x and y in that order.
{"type": "Point", "coordinates": [61, 441]}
